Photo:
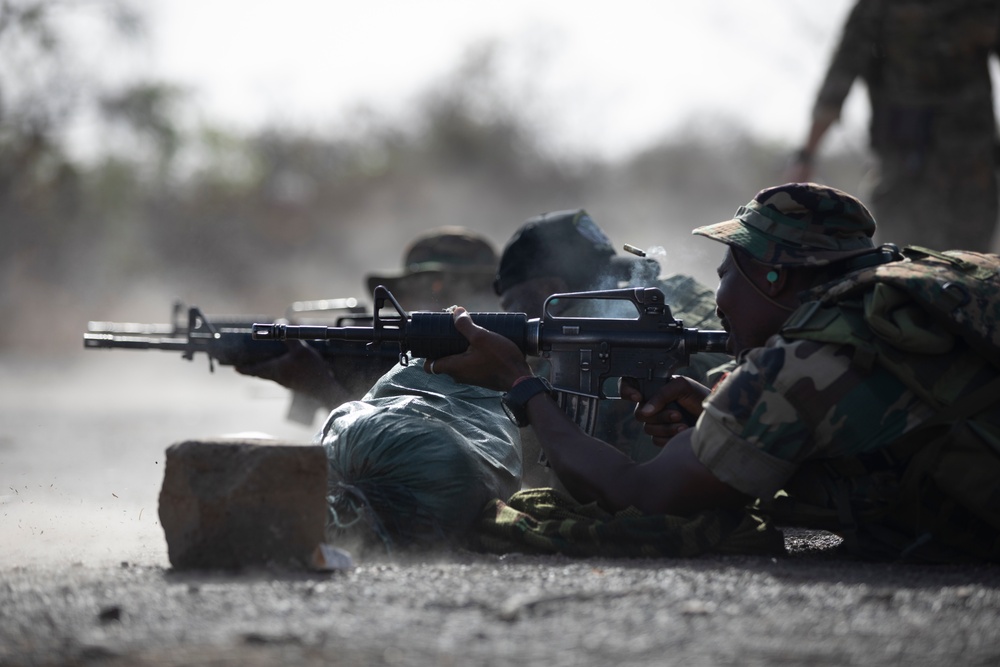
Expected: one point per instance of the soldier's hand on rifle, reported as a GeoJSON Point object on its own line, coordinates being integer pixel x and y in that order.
{"type": "Point", "coordinates": [491, 361]}
{"type": "Point", "coordinates": [670, 409]}
{"type": "Point", "coordinates": [301, 369]}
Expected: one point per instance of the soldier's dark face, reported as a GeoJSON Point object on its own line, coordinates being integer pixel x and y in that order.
{"type": "Point", "coordinates": [749, 318]}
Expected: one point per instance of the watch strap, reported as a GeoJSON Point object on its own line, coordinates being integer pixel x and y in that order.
{"type": "Point", "coordinates": [515, 401]}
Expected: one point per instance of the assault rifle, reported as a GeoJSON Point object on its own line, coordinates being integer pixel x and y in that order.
{"type": "Point", "coordinates": [228, 341]}
{"type": "Point", "coordinates": [646, 343]}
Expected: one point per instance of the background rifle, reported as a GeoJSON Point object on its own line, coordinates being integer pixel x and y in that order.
{"type": "Point", "coordinates": [584, 353]}
{"type": "Point", "coordinates": [228, 341]}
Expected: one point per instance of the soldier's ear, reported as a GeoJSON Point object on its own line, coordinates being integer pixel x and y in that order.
{"type": "Point", "coordinates": [777, 279]}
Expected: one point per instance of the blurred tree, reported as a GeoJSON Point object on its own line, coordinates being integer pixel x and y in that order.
{"type": "Point", "coordinates": [148, 111]}
{"type": "Point", "coordinates": [250, 221]}
{"type": "Point", "coordinates": [44, 87]}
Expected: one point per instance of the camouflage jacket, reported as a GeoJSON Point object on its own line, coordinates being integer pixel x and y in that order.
{"type": "Point", "coordinates": [871, 359]}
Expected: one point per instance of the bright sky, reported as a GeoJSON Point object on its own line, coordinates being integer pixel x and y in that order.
{"type": "Point", "coordinates": [609, 76]}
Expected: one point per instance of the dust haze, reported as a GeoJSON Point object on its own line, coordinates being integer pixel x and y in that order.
{"type": "Point", "coordinates": [178, 206]}
{"type": "Point", "coordinates": [246, 222]}
{"type": "Point", "coordinates": [83, 433]}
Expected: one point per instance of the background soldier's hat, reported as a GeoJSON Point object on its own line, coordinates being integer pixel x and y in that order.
{"type": "Point", "coordinates": [455, 251]}
{"type": "Point", "coordinates": [798, 224]}
{"type": "Point", "coordinates": [568, 245]}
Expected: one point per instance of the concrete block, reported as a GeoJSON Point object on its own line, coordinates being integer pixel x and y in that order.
{"type": "Point", "coordinates": [230, 503]}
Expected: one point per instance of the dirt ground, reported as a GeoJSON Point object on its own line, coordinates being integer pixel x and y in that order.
{"type": "Point", "coordinates": [85, 580]}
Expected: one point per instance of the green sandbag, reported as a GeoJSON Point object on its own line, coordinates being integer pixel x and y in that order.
{"type": "Point", "coordinates": [415, 460]}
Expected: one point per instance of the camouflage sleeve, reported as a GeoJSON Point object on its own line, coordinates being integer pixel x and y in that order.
{"type": "Point", "coordinates": [794, 401]}
{"type": "Point", "coordinates": [690, 301]}
{"type": "Point", "coordinates": [851, 59]}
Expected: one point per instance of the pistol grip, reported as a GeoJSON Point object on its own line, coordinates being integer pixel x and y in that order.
{"type": "Point", "coordinates": [650, 387]}
{"type": "Point", "coordinates": [686, 416]}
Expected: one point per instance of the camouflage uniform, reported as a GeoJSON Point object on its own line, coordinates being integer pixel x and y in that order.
{"type": "Point", "coordinates": [442, 267]}
{"type": "Point", "coordinates": [925, 64]}
{"type": "Point", "coordinates": [852, 371]}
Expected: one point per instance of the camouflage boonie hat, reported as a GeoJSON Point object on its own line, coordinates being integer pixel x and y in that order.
{"type": "Point", "coordinates": [798, 224]}
{"type": "Point", "coordinates": [446, 250]}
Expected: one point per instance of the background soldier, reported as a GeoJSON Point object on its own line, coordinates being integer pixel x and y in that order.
{"type": "Point", "coordinates": [933, 131]}
{"type": "Point", "coordinates": [445, 266]}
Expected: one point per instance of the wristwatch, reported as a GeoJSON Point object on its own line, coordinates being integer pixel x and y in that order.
{"type": "Point", "coordinates": [515, 401]}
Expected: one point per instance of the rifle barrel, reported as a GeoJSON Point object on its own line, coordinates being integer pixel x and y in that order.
{"type": "Point", "coordinates": [711, 341]}
{"type": "Point", "coordinates": [111, 341]}
{"type": "Point", "coordinates": [318, 332]}
{"type": "Point", "coordinates": [139, 328]}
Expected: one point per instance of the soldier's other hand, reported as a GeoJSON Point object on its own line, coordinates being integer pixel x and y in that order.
{"type": "Point", "coordinates": [296, 360]}
{"type": "Point", "coordinates": [302, 369]}
{"type": "Point", "coordinates": [672, 409]}
{"type": "Point", "coordinates": [491, 361]}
